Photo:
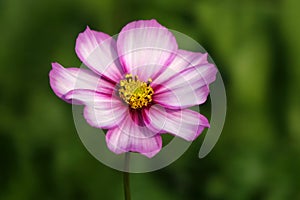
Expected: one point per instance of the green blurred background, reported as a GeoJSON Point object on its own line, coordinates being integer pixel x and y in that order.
{"type": "Point", "coordinates": [256, 46]}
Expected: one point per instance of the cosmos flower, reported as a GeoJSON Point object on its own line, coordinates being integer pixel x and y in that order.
{"type": "Point", "coordinates": [137, 86]}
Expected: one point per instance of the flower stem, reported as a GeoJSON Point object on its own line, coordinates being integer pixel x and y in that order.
{"type": "Point", "coordinates": [126, 178]}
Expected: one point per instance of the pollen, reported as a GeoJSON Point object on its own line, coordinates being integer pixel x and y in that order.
{"type": "Point", "coordinates": [137, 94]}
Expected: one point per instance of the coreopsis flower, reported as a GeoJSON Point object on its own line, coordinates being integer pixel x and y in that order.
{"type": "Point", "coordinates": [137, 86]}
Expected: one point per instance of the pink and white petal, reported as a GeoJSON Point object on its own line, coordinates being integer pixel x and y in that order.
{"type": "Point", "coordinates": [185, 123]}
{"type": "Point", "coordinates": [183, 60]}
{"type": "Point", "coordinates": [101, 110]}
{"type": "Point", "coordinates": [146, 48]}
{"type": "Point", "coordinates": [101, 117]}
{"type": "Point", "coordinates": [98, 51]}
{"type": "Point", "coordinates": [64, 80]}
{"type": "Point", "coordinates": [187, 88]}
{"type": "Point", "coordinates": [129, 136]}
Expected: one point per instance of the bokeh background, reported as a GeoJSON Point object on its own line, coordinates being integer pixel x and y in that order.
{"type": "Point", "coordinates": [256, 46]}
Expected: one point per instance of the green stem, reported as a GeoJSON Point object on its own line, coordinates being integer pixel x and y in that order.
{"type": "Point", "coordinates": [126, 178]}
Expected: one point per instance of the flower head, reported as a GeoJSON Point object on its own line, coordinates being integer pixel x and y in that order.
{"type": "Point", "coordinates": [138, 86]}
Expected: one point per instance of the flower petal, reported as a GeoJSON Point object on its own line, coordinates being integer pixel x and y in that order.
{"type": "Point", "coordinates": [101, 110]}
{"type": "Point", "coordinates": [187, 88]}
{"type": "Point", "coordinates": [129, 136]}
{"type": "Point", "coordinates": [97, 50]}
{"type": "Point", "coordinates": [183, 60]}
{"type": "Point", "coordinates": [185, 123]}
{"type": "Point", "coordinates": [145, 48]}
{"type": "Point", "coordinates": [63, 80]}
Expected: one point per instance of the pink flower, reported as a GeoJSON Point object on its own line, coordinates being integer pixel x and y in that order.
{"type": "Point", "coordinates": [138, 86]}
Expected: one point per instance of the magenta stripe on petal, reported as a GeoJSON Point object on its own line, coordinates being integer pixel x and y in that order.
{"type": "Point", "coordinates": [187, 88]}
{"type": "Point", "coordinates": [185, 123]}
{"type": "Point", "coordinates": [63, 80]}
{"type": "Point", "coordinates": [98, 51]}
{"type": "Point", "coordinates": [129, 136]}
{"type": "Point", "coordinates": [183, 60]}
{"type": "Point", "coordinates": [145, 48]}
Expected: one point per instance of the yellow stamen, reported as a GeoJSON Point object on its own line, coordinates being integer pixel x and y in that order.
{"type": "Point", "coordinates": [134, 92]}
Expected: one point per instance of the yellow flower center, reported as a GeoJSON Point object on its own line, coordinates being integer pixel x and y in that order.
{"type": "Point", "coordinates": [134, 92]}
